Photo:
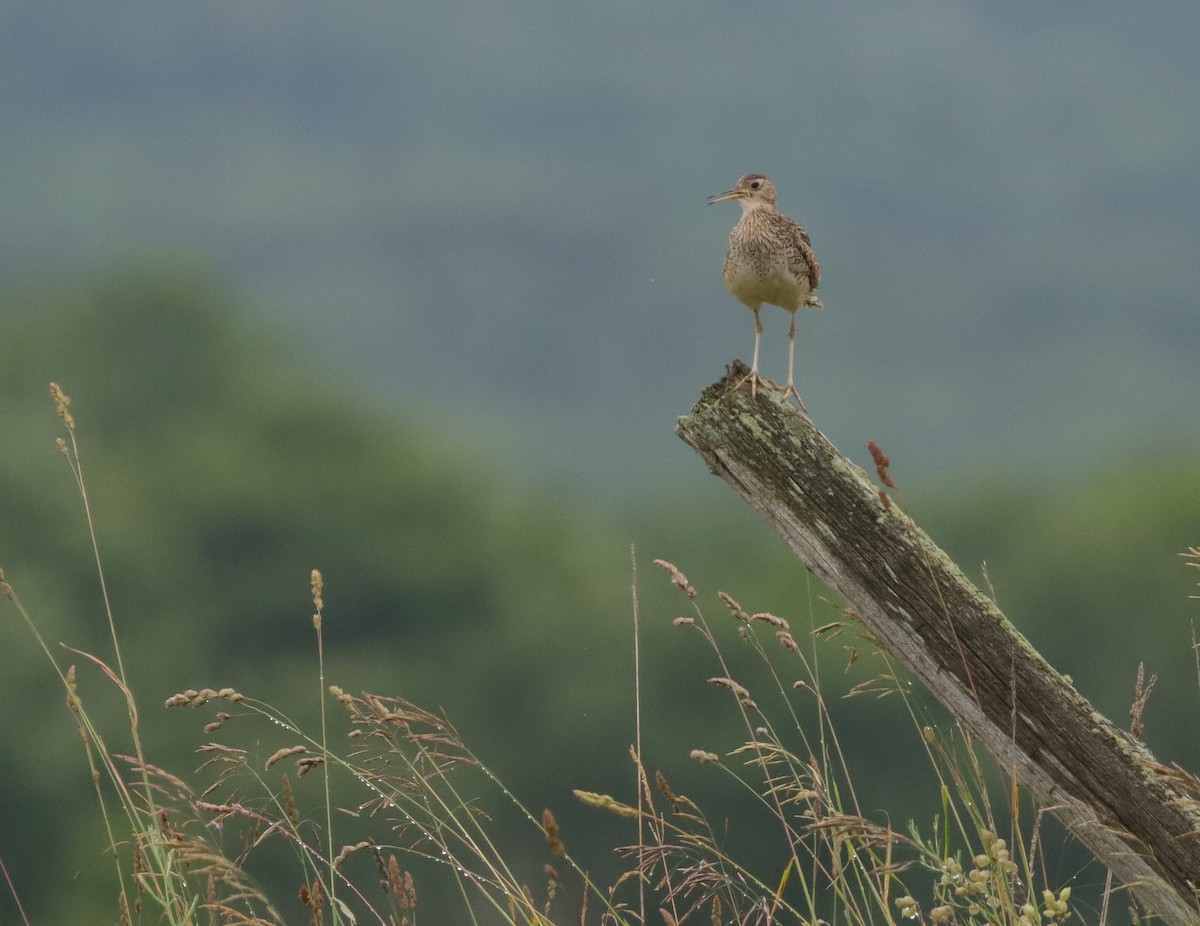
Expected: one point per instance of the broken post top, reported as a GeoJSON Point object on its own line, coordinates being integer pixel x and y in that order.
{"type": "Point", "coordinates": [737, 379]}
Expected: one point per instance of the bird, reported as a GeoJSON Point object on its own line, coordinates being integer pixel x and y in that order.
{"type": "Point", "coordinates": [770, 259]}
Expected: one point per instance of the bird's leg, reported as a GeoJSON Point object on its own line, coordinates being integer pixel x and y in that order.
{"type": "Point", "coordinates": [754, 378]}
{"type": "Point", "coordinates": [790, 388]}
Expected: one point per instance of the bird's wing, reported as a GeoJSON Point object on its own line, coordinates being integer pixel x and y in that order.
{"type": "Point", "coordinates": [801, 259]}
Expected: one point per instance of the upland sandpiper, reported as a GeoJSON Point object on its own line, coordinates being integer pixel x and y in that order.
{"type": "Point", "coordinates": [770, 259]}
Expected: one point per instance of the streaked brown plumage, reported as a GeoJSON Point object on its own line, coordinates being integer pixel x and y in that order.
{"type": "Point", "coordinates": [770, 259]}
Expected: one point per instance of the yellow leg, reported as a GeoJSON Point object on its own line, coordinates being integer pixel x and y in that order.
{"type": "Point", "coordinates": [754, 377]}
{"type": "Point", "coordinates": [790, 388]}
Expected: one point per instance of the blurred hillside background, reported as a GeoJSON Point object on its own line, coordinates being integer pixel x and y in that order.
{"type": "Point", "coordinates": [414, 293]}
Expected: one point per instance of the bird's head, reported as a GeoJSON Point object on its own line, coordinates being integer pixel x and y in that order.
{"type": "Point", "coordinates": [753, 191]}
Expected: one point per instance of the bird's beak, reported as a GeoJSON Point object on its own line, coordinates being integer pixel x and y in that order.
{"type": "Point", "coordinates": [728, 194]}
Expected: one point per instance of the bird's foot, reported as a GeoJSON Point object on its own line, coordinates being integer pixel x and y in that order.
{"type": "Point", "coordinates": [755, 381]}
{"type": "Point", "coordinates": [790, 390]}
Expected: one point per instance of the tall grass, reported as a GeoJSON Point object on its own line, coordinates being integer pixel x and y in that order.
{"type": "Point", "coordinates": [420, 805]}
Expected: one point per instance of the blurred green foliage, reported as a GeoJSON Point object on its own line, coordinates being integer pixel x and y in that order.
{"type": "Point", "coordinates": [222, 468]}
{"type": "Point", "coordinates": [219, 475]}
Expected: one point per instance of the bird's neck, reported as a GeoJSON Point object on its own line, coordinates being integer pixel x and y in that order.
{"type": "Point", "coordinates": [752, 206]}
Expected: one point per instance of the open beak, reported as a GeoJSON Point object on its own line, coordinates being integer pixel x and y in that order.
{"type": "Point", "coordinates": [728, 194]}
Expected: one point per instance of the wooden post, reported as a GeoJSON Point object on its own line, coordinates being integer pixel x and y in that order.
{"type": "Point", "coordinates": [1095, 777]}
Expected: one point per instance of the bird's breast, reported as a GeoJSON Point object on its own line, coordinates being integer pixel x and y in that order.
{"type": "Point", "coordinates": [756, 273]}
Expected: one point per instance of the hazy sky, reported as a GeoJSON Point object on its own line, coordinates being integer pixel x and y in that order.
{"type": "Point", "coordinates": [495, 211]}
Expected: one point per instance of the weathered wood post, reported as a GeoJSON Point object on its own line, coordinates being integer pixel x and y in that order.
{"type": "Point", "coordinates": [1096, 778]}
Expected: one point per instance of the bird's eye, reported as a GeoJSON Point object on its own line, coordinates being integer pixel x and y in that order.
{"type": "Point", "coordinates": [755, 185]}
